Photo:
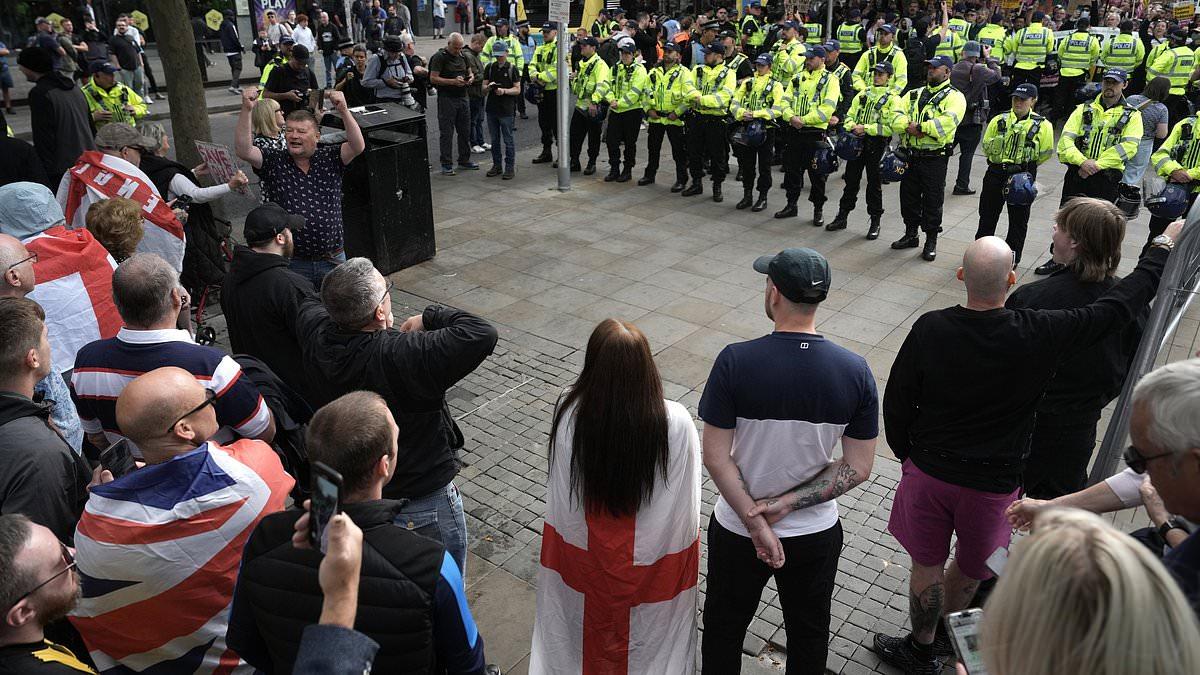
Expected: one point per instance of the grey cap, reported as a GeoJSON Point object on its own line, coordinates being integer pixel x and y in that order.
{"type": "Point", "coordinates": [117, 135]}
{"type": "Point", "coordinates": [800, 274]}
{"type": "Point", "coordinates": [27, 209]}
{"type": "Point", "coordinates": [972, 48]}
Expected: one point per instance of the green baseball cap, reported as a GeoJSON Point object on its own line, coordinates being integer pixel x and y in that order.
{"type": "Point", "coordinates": [800, 274]}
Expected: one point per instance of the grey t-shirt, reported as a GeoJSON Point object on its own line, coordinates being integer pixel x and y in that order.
{"type": "Point", "coordinates": [1153, 114]}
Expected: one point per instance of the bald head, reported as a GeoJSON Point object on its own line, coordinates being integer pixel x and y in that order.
{"type": "Point", "coordinates": [987, 270]}
{"type": "Point", "coordinates": [152, 402]}
{"type": "Point", "coordinates": [18, 279]}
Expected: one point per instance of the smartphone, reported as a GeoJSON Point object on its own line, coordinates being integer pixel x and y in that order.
{"type": "Point", "coordinates": [118, 458]}
{"type": "Point", "coordinates": [964, 635]}
{"type": "Point", "coordinates": [182, 202]}
{"type": "Point", "coordinates": [326, 503]}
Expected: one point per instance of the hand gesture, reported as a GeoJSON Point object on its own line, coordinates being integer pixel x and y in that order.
{"type": "Point", "coordinates": [766, 543]}
{"type": "Point", "coordinates": [1153, 502]}
{"type": "Point", "coordinates": [1174, 230]}
{"type": "Point", "coordinates": [249, 98]}
{"type": "Point", "coordinates": [337, 98]}
{"type": "Point", "coordinates": [1021, 513]}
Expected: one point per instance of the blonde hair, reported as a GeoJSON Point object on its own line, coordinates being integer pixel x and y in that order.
{"type": "Point", "coordinates": [117, 224]}
{"type": "Point", "coordinates": [1098, 227]}
{"type": "Point", "coordinates": [1078, 596]}
{"type": "Point", "coordinates": [262, 118]}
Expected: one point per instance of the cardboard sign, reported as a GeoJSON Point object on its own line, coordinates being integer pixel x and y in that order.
{"type": "Point", "coordinates": [213, 19]}
{"type": "Point", "coordinates": [1183, 10]}
{"type": "Point", "coordinates": [140, 20]}
{"type": "Point", "coordinates": [221, 162]}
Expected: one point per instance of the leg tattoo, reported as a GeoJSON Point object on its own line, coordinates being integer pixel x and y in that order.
{"type": "Point", "coordinates": [925, 610]}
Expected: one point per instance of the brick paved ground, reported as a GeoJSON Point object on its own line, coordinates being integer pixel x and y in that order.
{"type": "Point", "coordinates": [546, 266]}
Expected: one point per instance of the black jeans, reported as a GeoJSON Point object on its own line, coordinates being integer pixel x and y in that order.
{"type": "Point", "coordinates": [235, 70]}
{"type": "Point", "coordinates": [708, 138]}
{"type": "Point", "coordinates": [548, 118]}
{"type": "Point", "coordinates": [922, 192]}
{"type": "Point", "coordinates": [1058, 459]}
{"type": "Point", "coordinates": [1021, 76]}
{"type": "Point", "coordinates": [581, 126]}
{"type": "Point", "coordinates": [754, 161]}
{"type": "Point", "coordinates": [736, 579]}
{"type": "Point", "coordinates": [1101, 185]}
{"type": "Point", "coordinates": [679, 153]}
{"type": "Point", "coordinates": [967, 139]}
{"type": "Point", "coordinates": [991, 203]}
{"type": "Point", "coordinates": [454, 117]}
{"type": "Point", "coordinates": [873, 147]}
{"type": "Point", "coordinates": [799, 149]}
{"type": "Point", "coordinates": [623, 127]}
{"type": "Point", "coordinates": [1064, 101]}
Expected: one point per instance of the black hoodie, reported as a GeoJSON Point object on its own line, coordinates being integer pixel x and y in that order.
{"type": "Point", "coordinates": [62, 125]}
{"type": "Point", "coordinates": [40, 476]}
{"type": "Point", "coordinates": [261, 299]}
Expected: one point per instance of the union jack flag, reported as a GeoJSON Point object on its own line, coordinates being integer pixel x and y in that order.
{"type": "Point", "coordinates": [158, 551]}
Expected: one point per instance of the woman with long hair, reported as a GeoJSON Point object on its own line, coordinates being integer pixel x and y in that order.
{"type": "Point", "coordinates": [620, 548]}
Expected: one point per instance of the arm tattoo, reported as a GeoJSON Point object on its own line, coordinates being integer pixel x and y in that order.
{"type": "Point", "coordinates": [834, 481]}
{"type": "Point", "coordinates": [925, 608]}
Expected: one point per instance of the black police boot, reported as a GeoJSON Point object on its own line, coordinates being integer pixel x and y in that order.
{"type": "Point", "coordinates": [788, 211]}
{"type": "Point", "coordinates": [544, 157]}
{"type": "Point", "coordinates": [680, 184]}
{"type": "Point", "coordinates": [692, 190]}
{"type": "Point", "coordinates": [590, 168]}
{"type": "Point", "coordinates": [907, 241]}
{"type": "Point", "coordinates": [747, 199]}
{"type": "Point", "coordinates": [613, 174]}
{"type": "Point", "coordinates": [930, 251]}
{"type": "Point", "coordinates": [625, 176]}
{"type": "Point", "coordinates": [761, 204]}
{"type": "Point", "coordinates": [717, 196]}
{"type": "Point", "coordinates": [839, 221]}
{"type": "Point", "coordinates": [1048, 267]}
{"type": "Point", "coordinates": [818, 217]}
{"type": "Point", "coordinates": [575, 166]}
{"type": "Point", "coordinates": [873, 232]}
{"type": "Point", "coordinates": [647, 179]}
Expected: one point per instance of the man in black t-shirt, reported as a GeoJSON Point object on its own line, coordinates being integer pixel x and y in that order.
{"type": "Point", "coordinates": [290, 84]}
{"type": "Point", "coordinates": [329, 37]}
{"type": "Point", "coordinates": [502, 84]}
{"type": "Point", "coordinates": [124, 50]}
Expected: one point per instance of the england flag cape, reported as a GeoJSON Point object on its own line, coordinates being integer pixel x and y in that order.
{"type": "Point", "coordinates": [158, 551]}
{"type": "Point", "coordinates": [97, 176]}
{"type": "Point", "coordinates": [617, 596]}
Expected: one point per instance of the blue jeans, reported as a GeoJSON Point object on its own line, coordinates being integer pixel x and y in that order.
{"type": "Point", "coordinates": [315, 270]}
{"type": "Point", "coordinates": [1135, 167]}
{"type": "Point", "coordinates": [476, 120]}
{"type": "Point", "coordinates": [501, 130]}
{"type": "Point", "coordinates": [330, 59]}
{"type": "Point", "coordinates": [443, 509]}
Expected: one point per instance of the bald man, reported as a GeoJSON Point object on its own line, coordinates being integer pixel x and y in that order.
{"type": "Point", "coordinates": [17, 266]}
{"type": "Point", "coordinates": [198, 501]}
{"type": "Point", "coordinates": [959, 409]}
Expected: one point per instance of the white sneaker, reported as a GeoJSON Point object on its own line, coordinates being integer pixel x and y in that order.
{"type": "Point", "coordinates": [486, 146]}
{"type": "Point", "coordinates": [477, 149]}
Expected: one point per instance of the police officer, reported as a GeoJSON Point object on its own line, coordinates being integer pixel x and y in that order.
{"type": "Point", "coordinates": [667, 101]}
{"type": "Point", "coordinates": [735, 59]}
{"type": "Point", "coordinates": [959, 23]}
{"type": "Point", "coordinates": [503, 34]}
{"type": "Point", "coordinates": [1175, 64]}
{"type": "Point", "coordinates": [589, 83]}
{"type": "Point", "coordinates": [111, 101]}
{"type": "Point", "coordinates": [993, 35]}
{"type": "Point", "coordinates": [1098, 139]}
{"type": "Point", "coordinates": [853, 38]}
{"type": "Point", "coordinates": [544, 72]}
{"type": "Point", "coordinates": [934, 113]}
{"type": "Point", "coordinates": [1030, 46]}
{"type": "Point", "coordinates": [813, 31]}
{"type": "Point", "coordinates": [1015, 141]}
{"type": "Point", "coordinates": [753, 29]}
{"type": "Point", "coordinates": [629, 84]}
{"type": "Point", "coordinates": [707, 131]}
{"type": "Point", "coordinates": [1127, 52]}
{"type": "Point", "coordinates": [758, 98]}
{"type": "Point", "coordinates": [810, 100]}
{"type": "Point", "coordinates": [845, 78]}
{"type": "Point", "coordinates": [285, 52]}
{"type": "Point", "coordinates": [884, 51]}
{"type": "Point", "coordinates": [875, 114]}
{"type": "Point", "coordinates": [603, 27]}
{"type": "Point", "coordinates": [1077, 56]}
{"type": "Point", "coordinates": [788, 53]}
{"type": "Point", "coordinates": [1178, 161]}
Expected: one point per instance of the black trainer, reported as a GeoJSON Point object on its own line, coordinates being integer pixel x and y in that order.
{"type": "Point", "coordinates": [900, 652]}
{"type": "Point", "coordinates": [963, 190]}
{"type": "Point", "coordinates": [873, 231]}
{"type": "Point", "coordinates": [907, 241]}
{"type": "Point", "coordinates": [1048, 267]}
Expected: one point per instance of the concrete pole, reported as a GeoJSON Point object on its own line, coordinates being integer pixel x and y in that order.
{"type": "Point", "coordinates": [564, 111]}
{"type": "Point", "coordinates": [829, 20]}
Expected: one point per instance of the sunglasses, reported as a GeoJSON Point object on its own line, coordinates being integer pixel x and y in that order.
{"type": "Point", "coordinates": [210, 397]}
{"type": "Point", "coordinates": [1137, 461]}
{"type": "Point", "coordinates": [32, 258]}
{"type": "Point", "coordinates": [67, 558]}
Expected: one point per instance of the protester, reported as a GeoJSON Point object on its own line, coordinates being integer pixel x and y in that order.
{"type": "Point", "coordinates": [412, 602]}
{"type": "Point", "coordinates": [304, 37]}
{"type": "Point", "coordinates": [1154, 128]}
{"type": "Point", "coordinates": [261, 297]}
{"type": "Point", "coordinates": [39, 584]}
{"type": "Point", "coordinates": [784, 401]}
{"type": "Point", "coordinates": [420, 69]}
{"type": "Point", "coordinates": [161, 545]}
{"type": "Point", "coordinates": [475, 92]}
{"type": "Point", "coordinates": [265, 52]}
{"type": "Point", "coordinates": [451, 74]}
{"type": "Point", "coordinates": [306, 180]}
{"type": "Point", "coordinates": [58, 114]}
{"type": "Point", "coordinates": [267, 120]}
{"type": "Point", "coordinates": [291, 83]}
{"type": "Point", "coordinates": [127, 56]}
{"type": "Point", "coordinates": [329, 40]}
{"type": "Point", "coordinates": [502, 81]}
{"type": "Point", "coordinates": [117, 224]}
{"type": "Point", "coordinates": [147, 294]}
{"type": "Point", "coordinates": [350, 76]}
{"type": "Point", "coordinates": [972, 76]}
{"type": "Point", "coordinates": [41, 476]}
{"type": "Point", "coordinates": [6, 80]}
{"type": "Point", "coordinates": [349, 342]}
{"type": "Point", "coordinates": [619, 473]}
{"type": "Point", "coordinates": [19, 161]}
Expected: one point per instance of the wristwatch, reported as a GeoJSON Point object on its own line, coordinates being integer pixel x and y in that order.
{"type": "Point", "coordinates": [1163, 241]}
{"type": "Point", "coordinates": [1172, 523]}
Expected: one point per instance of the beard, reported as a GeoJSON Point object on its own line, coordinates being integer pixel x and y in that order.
{"type": "Point", "coordinates": [59, 606]}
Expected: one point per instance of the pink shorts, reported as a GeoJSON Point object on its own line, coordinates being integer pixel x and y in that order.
{"type": "Point", "coordinates": [926, 511]}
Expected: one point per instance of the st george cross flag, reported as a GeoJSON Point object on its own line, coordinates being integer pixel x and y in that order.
{"type": "Point", "coordinates": [74, 287]}
{"type": "Point", "coordinates": [158, 551]}
{"type": "Point", "coordinates": [97, 176]}
{"type": "Point", "coordinates": [617, 596]}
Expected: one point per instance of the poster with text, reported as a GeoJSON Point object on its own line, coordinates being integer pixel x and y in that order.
{"type": "Point", "coordinates": [219, 159]}
{"type": "Point", "coordinates": [260, 7]}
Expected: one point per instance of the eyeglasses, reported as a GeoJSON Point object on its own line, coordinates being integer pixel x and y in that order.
{"type": "Point", "coordinates": [1137, 461]}
{"type": "Point", "coordinates": [390, 286]}
{"type": "Point", "coordinates": [67, 558]}
{"type": "Point", "coordinates": [210, 397]}
{"type": "Point", "coordinates": [32, 258]}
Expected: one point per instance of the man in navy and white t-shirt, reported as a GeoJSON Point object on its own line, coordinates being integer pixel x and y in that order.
{"type": "Point", "coordinates": [774, 409]}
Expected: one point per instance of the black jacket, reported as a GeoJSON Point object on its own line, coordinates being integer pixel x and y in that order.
{"type": "Point", "coordinates": [207, 239]}
{"type": "Point", "coordinates": [412, 372]}
{"type": "Point", "coordinates": [1087, 379]}
{"type": "Point", "coordinates": [62, 126]}
{"type": "Point", "coordinates": [40, 475]}
{"type": "Point", "coordinates": [278, 593]}
{"type": "Point", "coordinates": [261, 300]}
{"type": "Point", "coordinates": [19, 161]}
{"type": "Point", "coordinates": [229, 38]}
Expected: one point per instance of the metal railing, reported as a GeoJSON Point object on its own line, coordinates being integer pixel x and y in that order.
{"type": "Point", "coordinates": [1179, 285]}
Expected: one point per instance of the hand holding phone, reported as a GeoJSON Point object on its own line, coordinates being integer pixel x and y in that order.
{"type": "Point", "coordinates": [117, 458]}
{"type": "Point", "coordinates": [326, 503]}
{"type": "Point", "coordinates": [964, 635]}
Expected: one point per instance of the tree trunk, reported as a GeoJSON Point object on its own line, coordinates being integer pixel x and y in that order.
{"type": "Point", "coordinates": [172, 30]}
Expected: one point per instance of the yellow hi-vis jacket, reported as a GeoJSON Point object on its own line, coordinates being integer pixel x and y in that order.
{"type": "Point", "coordinates": [591, 82]}
{"type": "Point", "coordinates": [866, 64]}
{"type": "Point", "coordinates": [668, 92]}
{"type": "Point", "coordinates": [114, 101]}
{"type": "Point", "coordinates": [544, 69]}
{"type": "Point", "coordinates": [1181, 150]}
{"type": "Point", "coordinates": [1031, 45]}
{"type": "Point", "coordinates": [761, 96]}
{"type": "Point", "coordinates": [1175, 64]}
{"type": "Point", "coordinates": [1009, 139]}
{"type": "Point", "coordinates": [1108, 136]}
{"type": "Point", "coordinates": [712, 89]}
{"type": "Point", "coordinates": [1078, 53]}
{"type": "Point", "coordinates": [937, 110]}
{"type": "Point", "coordinates": [812, 96]}
{"type": "Point", "coordinates": [628, 86]}
{"type": "Point", "coordinates": [880, 110]}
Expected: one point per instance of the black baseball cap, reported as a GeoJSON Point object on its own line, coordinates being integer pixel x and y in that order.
{"type": "Point", "coordinates": [1025, 90]}
{"type": "Point", "coordinates": [800, 274]}
{"type": "Point", "coordinates": [300, 53]}
{"type": "Point", "coordinates": [268, 220]}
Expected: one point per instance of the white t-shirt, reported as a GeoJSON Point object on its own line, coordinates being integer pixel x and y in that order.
{"type": "Point", "coordinates": [304, 36]}
{"type": "Point", "coordinates": [439, 8]}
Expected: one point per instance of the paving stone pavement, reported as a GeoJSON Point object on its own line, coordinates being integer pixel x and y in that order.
{"type": "Point", "coordinates": [546, 266]}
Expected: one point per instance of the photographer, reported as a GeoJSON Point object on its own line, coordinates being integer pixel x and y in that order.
{"type": "Point", "coordinates": [290, 85]}
{"type": "Point", "coordinates": [389, 74]}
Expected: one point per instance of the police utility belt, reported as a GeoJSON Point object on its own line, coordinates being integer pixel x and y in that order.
{"type": "Point", "coordinates": [930, 153]}
{"type": "Point", "coordinates": [1010, 168]}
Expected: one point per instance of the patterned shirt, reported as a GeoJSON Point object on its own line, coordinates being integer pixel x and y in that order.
{"type": "Point", "coordinates": [316, 195]}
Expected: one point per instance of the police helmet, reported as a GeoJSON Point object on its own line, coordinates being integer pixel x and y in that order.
{"type": "Point", "coordinates": [849, 146]}
{"type": "Point", "coordinates": [892, 166]}
{"type": "Point", "coordinates": [1169, 203]}
{"type": "Point", "coordinates": [750, 134]}
{"type": "Point", "coordinates": [1020, 190]}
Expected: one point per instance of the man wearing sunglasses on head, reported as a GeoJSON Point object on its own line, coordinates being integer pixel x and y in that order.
{"type": "Point", "coordinates": [38, 585]}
